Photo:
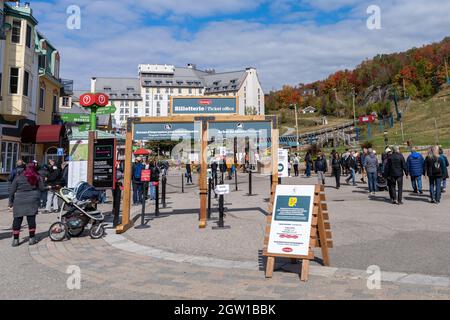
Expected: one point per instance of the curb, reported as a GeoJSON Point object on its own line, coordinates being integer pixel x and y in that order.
{"type": "Point", "coordinates": [123, 243]}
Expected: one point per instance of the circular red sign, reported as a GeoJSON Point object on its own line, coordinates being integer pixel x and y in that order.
{"type": "Point", "coordinates": [87, 99]}
{"type": "Point", "coordinates": [287, 249]}
{"type": "Point", "coordinates": [101, 99]}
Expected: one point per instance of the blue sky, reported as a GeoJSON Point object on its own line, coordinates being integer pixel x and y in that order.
{"type": "Point", "coordinates": [289, 42]}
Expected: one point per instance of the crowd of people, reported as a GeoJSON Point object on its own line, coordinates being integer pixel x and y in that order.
{"type": "Point", "coordinates": [382, 173]}
{"type": "Point", "coordinates": [30, 190]}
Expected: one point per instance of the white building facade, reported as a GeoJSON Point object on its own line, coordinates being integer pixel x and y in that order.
{"type": "Point", "coordinates": [150, 93]}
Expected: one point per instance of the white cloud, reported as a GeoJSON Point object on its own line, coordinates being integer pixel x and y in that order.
{"type": "Point", "coordinates": [284, 52]}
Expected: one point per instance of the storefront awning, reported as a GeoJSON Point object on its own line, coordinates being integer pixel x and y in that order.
{"type": "Point", "coordinates": [42, 133]}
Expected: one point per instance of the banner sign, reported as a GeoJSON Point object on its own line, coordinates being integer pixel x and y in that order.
{"type": "Point", "coordinates": [73, 117]}
{"type": "Point", "coordinates": [283, 163]}
{"type": "Point", "coordinates": [291, 220]}
{"type": "Point", "coordinates": [77, 173]}
{"type": "Point", "coordinates": [104, 160]}
{"type": "Point", "coordinates": [204, 105]}
{"type": "Point", "coordinates": [166, 131]}
{"type": "Point", "coordinates": [145, 175]}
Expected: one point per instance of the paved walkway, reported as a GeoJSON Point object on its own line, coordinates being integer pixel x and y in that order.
{"type": "Point", "coordinates": [137, 266]}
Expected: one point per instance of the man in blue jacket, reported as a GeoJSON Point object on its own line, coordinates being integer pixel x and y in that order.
{"type": "Point", "coordinates": [415, 165]}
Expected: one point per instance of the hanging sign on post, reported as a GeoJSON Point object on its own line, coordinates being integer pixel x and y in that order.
{"type": "Point", "coordinates": [283, 163]}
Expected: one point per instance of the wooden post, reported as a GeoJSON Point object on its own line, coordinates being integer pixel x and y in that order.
{"type": "Point", "coordinates": [203, 174]}
{"type": "Point", "coordinates": [126, 221]}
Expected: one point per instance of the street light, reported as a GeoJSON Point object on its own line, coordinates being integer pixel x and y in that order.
{"type": "Point", "coordinates": [296, 126]}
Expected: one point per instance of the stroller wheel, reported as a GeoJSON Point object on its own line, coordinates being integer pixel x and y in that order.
{"type": "Point", "coordinates": [57, 231]}
{"type": "Point", "coordinates": [97, 231]}
{"type": "Point", "coordinates": [76, 232]}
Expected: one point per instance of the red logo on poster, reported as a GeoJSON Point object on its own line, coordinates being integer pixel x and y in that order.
{"type": "Point", "coordinates": [87, 99]}
{"type": "Point", "coordinates": [101, 99]}
{"type": "Point", "coordinates": [287, 250]}
{"type": "Point", "coordinates": [145, 175]}
{"type": "Point", "coordinates": [205, 102]}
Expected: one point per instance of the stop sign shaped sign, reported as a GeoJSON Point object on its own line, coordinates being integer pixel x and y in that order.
{"type": "Point", "coordinates": [87, 99]}
{"type": "Point", "coordinates": [101, 99]}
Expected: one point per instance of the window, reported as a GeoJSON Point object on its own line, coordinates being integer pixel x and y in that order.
{"type": "Point", "coordinates": [167, 90]}
{"type": "Point", "coordinates": [65, 102]}
{"type": "Point", "coordinates": [147, 90]}
{"type": "Point", "coordinates": [136, 104]}
{"type": "Point", "coordinates": [158, 90]}
{"type": "Point", "coordinates": [158, 109]}
{"type": "Point", "coordinates": [28, 38]}
{"type": "Point", "coordinates": [42, 61]}
{"type": "Point", "coordinates": [16, 30]}
{"type": "Point", "coordinates": [147, 104]}
{"type": "Point", "coordinates": [179, 90]}
{"type": "Point", "coordinates": [136, 111]}
{"type": "Point", "coordinates": [130, 89]}
{"type": "Point", "coordinates": [147, 111]}
{"type": "Point", "coordinates": [26, 82]}
{"type": "Point", "coordinates": [28, 152]}
{"type": "Point", "coordinates": [14, 81]}
{"type": "Point", "coordinates": [107, 89]}
{"type": "Point", "coordinates": [55, 103]}
{"type": "Point", "coordinates": [147, 97]}
{"type": "Point", "coordinates": [190, 90]}
{"type": "Point", "coordinates": [9, 156]}
{"type": "Point", "coordinates": [42, 98]}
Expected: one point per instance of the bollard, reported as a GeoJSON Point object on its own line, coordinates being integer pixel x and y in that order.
{"type": "Point", "coordinates": [117, 193]}
{"type": "Point", "coordinates": [144, 200]}
{"type": "Point", "coordinates": [236, 179]}
{"type": "Point", "coordinates": [157, 199]}
{"type": "Point", "coordinates": [182, 183]}
{"type": "Point", "coordinates": [220, 223]}
{"type": "Point", "coordinates": [249, 182]}
{"type": "Point", "coordinates": [163, 196]}
{"type": "Point", "coordinates": [209, 197]}
{"type": "Point", "coordinates": [271, 183]}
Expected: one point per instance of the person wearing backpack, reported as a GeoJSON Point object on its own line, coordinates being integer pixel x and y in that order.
{"type": "Point", "coordinates": [154, 179]}
{"type": "Point", "coordinates": [138, 166]}
{"type": "Point", "coordinates": [434, 165]}
{"type": "Point", "coordinates": [320, 168]}
{"type": "Point", "coordinates": [445, 171]}
{"type": "Point", "coordinates": [352, 165]}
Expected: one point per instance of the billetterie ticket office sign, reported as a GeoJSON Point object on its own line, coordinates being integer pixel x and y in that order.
{"type": "Point", "coordinates": [291, 220]}
{"type": "Point", "coordinates": [204, 105]}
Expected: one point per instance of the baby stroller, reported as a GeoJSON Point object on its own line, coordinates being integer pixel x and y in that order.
{"type": "Point", "coordinates": [77, 213]}
{"type": "Point", "coordinates": [382, 184]}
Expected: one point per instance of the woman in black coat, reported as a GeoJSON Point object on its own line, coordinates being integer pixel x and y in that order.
{"type": "Point", "coordinates": [26, 189]}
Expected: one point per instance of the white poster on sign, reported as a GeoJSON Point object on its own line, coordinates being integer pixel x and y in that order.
{"type": "Point", "coordinates": [193, 157]}
{"type": "Point", "coordinates": [283, 163]}
{"type": "Point", "coordinates": [77, 172]}
{"type": "Point", "coordinates": [291, 220]}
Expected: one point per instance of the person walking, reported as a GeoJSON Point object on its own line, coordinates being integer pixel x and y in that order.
{"type": "Point", "coordinates": [18, 170]}
{"type": "Point", "coordinates": [154, 179]}
{"type": "Point", "coordinates": [189, 173]}
{"type": "Point", "coordinates": [396, 169]}
{"type": "Point", "coordinates": [434, 165]}
{"type": "Point", "coordinates": [351, 165]}
{"type": "Point", "coordinates": [65, 173]}
{"type": "Point", "coordinates": [362, 164]}
{"type": "Point", "coordinates": [296, 164]}
{"type": "Point", "coordinates": [415, 164]}
{"type": "Point", "coordinates": [336, 168]}
{"type": "Point", "coordinates": [320, 168]}
{"type": "Point", "coordinates": [371, 168]}
{"type": "Point", "coordinates": [445, 171]}
{"type": "Point", "coordinates": [26, 189]}
{"type": "Point", "coordinates": [53, 181]}
{"type": "Point", "coordinates": [136, 182]}
{"type": "Point", "coordinates": [308, 162]}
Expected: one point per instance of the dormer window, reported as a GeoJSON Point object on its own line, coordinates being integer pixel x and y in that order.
{"type": "Point", "coordinates": [107, 89]}
{"type": "Point", "coordinates": [130, 89]}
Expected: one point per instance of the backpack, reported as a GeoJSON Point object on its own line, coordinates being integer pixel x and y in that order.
{"type": "Point", "coordinates": [137, 172]}
{"type": "Point", "coordinates": [436, 169]}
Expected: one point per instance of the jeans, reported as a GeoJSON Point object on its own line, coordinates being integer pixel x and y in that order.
{"type": "Point", "coordinates": [189, 177]}
{"type": "Point", "coordinates": [321, 177]}
{"type": "Point", "coordinates": [416, 183]}
{"type": "Point", "coordinates": [444, 184]}
{"type": "Point", "coordinates": [352, 176]}
{"type": "Point", "coordinates": [308, 170]}
{"type": "Point", "coordinates": [152, 191]}
{"type": "Point", "coordinates": [396, 182]}
{"type": "Point", "coordinates": [52, 200]}
{"type": "Point", "coordinates": [337, 176]}
{"type": "Point", "coordinates": [435, 188]}
{"type": "Point", "coordinates": [137, 193]}
{"type": "Point", "coordinates": [296, 170]}
{"type": "Point", "coordinates": [372, 178]}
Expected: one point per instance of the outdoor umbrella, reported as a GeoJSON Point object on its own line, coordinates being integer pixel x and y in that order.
{"type": "Point", "coordinates": [142, 152]}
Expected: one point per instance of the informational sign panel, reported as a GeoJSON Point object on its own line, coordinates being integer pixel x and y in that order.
{"type": "Point", "coordinates": [205, 105]}
{"type": "Point", "coordinates": [77, 173]}
{"type": "Point", "coordinates": [222, 189]}
{"type": "Point", "coordinates": [283, 163]}
{"type": "Point", "coordinates": [79, 150]}
{"type": "Point", "coordinates": [104, 160]}
{"type": "Point", "coordinates": [291, 220]}
{"type": "Point", "coordinates": [145, 175]}
{"type": "Point", "coordinates": [165, 131]}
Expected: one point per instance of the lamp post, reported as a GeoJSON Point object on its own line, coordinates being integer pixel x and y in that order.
{"type": "Point", "coordinates": [296, 127]}
{"type": "Point", "coordinates": [354, 107]}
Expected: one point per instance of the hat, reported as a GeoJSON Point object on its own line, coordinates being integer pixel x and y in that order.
{"type": "Point", "coordinates": [388, 150]}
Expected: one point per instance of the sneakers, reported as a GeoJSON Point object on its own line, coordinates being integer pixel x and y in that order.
{"type": "Point", "coordinates": [32, 241]}
{"type": "Point", "coordinates": [15, 243]}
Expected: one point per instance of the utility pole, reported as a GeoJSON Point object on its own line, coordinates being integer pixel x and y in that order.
{"type": "Point", "coordinates": [354, 107]}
